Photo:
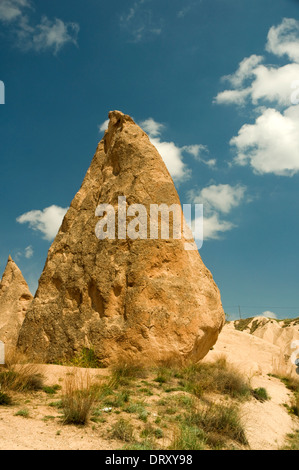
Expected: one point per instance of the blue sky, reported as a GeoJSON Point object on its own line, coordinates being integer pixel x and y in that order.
{"type": "Point", "coordinates": [215, 83]}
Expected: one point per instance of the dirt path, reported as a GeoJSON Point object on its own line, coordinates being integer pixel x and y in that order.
{"type": "Point", "coordinates": [267, 423]}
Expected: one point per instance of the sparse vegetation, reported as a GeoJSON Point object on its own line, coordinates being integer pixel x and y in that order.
{"type": "Point", "coordinates": [189, 407]}
{"type": "Point", "coordinates": [292, 441]}
{"type": "Point", "coordinates": [52, 390]}
{"type": "Point", "coordinates": [260, 394]}
{"type": "Point", "coordinates": [124, 372]}
{"type": "Point", "coordinates": [24, 413]}
{"type": "Point", "coordinates": [5, 400]}
{"type": "Point", "coordinates": [86, 359]}
{"type": "Point", "coordinates": [77, 400]}
{"type": "Point", "coordinates": [122, 430]}
{"type": "Point", "coordinates": [292, 383]}
{"type": "Point", "coordinates": [215, 377]}
{"type": "Point", "coordinates": [19, 375]}
{"type": "Point", "coordinates": [242, 324]}
{"type": "Point", "coordinates": [219, 423]}
{"type": "Point", "coordinates": [188, 438]}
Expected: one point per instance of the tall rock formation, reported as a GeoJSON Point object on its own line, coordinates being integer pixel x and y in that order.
{"type": "Point", "coordinates": [15, 298]}
{"type": "Point", "coordinates": [140, 299]}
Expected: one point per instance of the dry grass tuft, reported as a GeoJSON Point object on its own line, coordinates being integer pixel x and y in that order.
{"type": "Point", "coordinates": [78, 398]}
{"type": "Point", "coordinates": [18, 375]}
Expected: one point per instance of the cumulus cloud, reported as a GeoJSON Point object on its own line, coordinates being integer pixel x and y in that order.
{"type": "Point", "coordinates": [46, 35]}
{"type": "Point", "coordinates": [152, 127]}
{"type": "Point", "coordinates": [271, 143]}
{"type": "Point", "coordinates": [217, 200]}
{"type": "Point", "coordinates": [284, 39]}
{"type": "Point", "coordinates": [246, 69]}
{"type": "Point", "coordinates": [269, 84]}
{"type": "Point", "coordinates": [172, 154]}
{"type": "Point", "coordinates": [222, 197]}
{"type": "Point", "coordinates": [173, 159]}
{"type": "Point", "coordinates": [47, 221]}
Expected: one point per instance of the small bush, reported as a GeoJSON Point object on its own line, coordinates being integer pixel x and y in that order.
{"type": "Point", "coordinates": [294, 408]}
{"type": "Point", "coordinates": [292, 441]}
{"type": "Point", "coordinates": [51, 390]}
{"type": "Point", "coordinates": [87, 359]}
{"type": "Point", "coordinates": [221, 420]}
{"type": "Point", "coordinates": [118, 400]}
{"type": "Point", "coordinates": [77, 400]}
{"type": "Point", "coordinates": [5, 400]}
{"type": "Point", "coordinates": [260, 394]}
{"type": "Point", "coordinates": [188, 438]}
{"type": "Point", "coordinates": [216, 377]}
{"type": "Point", "coordinates": [146, 444]}
{"type": "Point", "coordinates": [123, 372]}
{"type": "Point", "coordinates": [18, 375]}
{"type": "Point", "coordinates": [122, 430]}
{"type": "Point", "coordinates": [23, 413]}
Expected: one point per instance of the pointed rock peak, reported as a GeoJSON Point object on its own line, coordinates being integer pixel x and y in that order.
{"type": "Point", "coordinates": [132, 297]}
{"type": "Point", "coordinates": [117, 119]}
{"type": "Point", "coordinates": [13, 276]}
{"type": "Point", "coordinates": [15, 298]}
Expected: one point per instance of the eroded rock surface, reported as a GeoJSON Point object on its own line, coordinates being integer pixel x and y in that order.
{"type": "Point", "coordinates": [138, 299]}
{"type": "Point", "coordinates": [15, 297]}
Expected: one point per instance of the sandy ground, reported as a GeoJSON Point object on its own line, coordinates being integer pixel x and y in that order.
{"type": "Point", "coordinates": [43, 429]}
{"type": "Point", "coordinates": [266, 423]}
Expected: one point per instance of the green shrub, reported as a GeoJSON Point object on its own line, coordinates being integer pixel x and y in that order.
{"type": "Point", "coordinates": [220, 420]}
{"type": "Point", "coordinates": [260, 394]}
{"type": "Point", "coordinates": [122, 430]}
{"type": "Point", "coordinates": [5, 400]}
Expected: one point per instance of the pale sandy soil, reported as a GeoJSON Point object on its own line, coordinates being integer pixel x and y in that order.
{"type": "Point", "coordinates": [43, 430]}
{"type": "Point", "coordinates": [266, 423]}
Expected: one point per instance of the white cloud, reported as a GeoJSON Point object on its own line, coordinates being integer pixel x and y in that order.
{"type": "Point", "coordinates": [217, 199]}
{"type": "Point", "coordinates": [29, 252]}
{"type": "Point", "coordinates": [269, 84]}
{"type": "Point", "coordinates": [269, 314]}
{"type": "Point", "coordinates": [172, 154]}
{"type": "Point", "coordinates": [271, 144]}
{"type": "Point", "coordinates": [232, 96]}
{"type": "Point", "coordinates": [46, 35]}
{"type": "Point", "coordinates": [12, 9]}
{"type": "Point", "coordinates": [173, 159]}
{"type": "Point", "coordinates": [213, 226]}
{"type": "Point", "coordinates": [103, 127]}
{"type": "Point", "coordinates": [284, 39]}
{"type": "Point", "coordinates": [221, 197]}
{"type": "Point", "coordinates": [152, 127]}
{"type": "Point", "coordinates": [245, 70]}
{"type": "Point", "coordinates": [47, 221]}
{"type": "Point", "coordinates": [196, 151]}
